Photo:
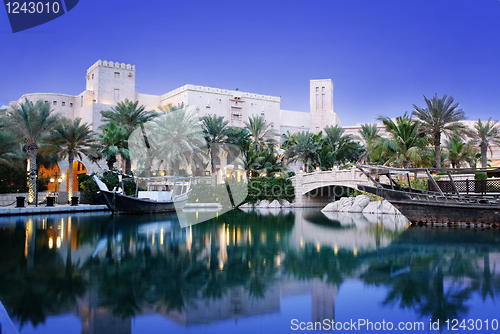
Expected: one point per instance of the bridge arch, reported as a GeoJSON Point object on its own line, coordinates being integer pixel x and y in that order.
{"type": "Point", "coordinates": [319, 188]}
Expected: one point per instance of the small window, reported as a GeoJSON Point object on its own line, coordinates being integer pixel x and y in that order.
{"type": "Point", "coordinates": [92, 75]}
{"type": "Point", "coordinates": [71, 104]}
{"type": "Point", "coordinates": [63, 103]}
{"type": "Point", "coordinates": [46, 101]}
{"type": "Point", "coordinates": [54, 103]}
{"type": "Point", "coordinates": [117, 74]}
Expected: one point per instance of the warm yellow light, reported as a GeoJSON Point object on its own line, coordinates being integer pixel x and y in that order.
{"type": "Point", "coordinates": [221, 265]}
{"type": "Point", "coordinates": [153, 239]}
{"type": "Point", "coordinates": [28, 166]}
{"type": "Point", "coordinates": [301, 242]}
{"type": "Point", "coordinates": [161, 236]}
{"type": "Point", "coordinates": [317, 168]}
{"type": "Point", "coordinates": [318, 247]}
{"type": "Point", "coordinates": [51, 243]}
{"type": "Point", "coordinates": [355, 252]}
{"type": "Point", "coordinates": [278, 261]}
{"type": "Point", "coordinates": [52, 180]}
{"type": "Point", "coordinates": [59, 180]}
{"type": "Point", "coordinates": [277, 175]}
{"type": "Point", "coordinates": [196, 215]}
{"type": "Point", "coordinates": [335, 166]}
{"type": "Point", "coordinates": [162, 173]}
{"type": "Point", "coordinates": [301, 170]}
{"type": "Point", "coordinates": [335, 250]}
{"type": "Point", "coordinates": [58, 242]}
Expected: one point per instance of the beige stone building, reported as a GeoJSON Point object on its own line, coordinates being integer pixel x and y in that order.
{"type": "Point", "coordinates": [108, 83]}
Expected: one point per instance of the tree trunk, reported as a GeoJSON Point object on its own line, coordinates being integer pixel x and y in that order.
{"type": "Point", "coordinates": [214, 176]}
{"type": "Point", "coordinates": [111, 161]}
{"type": "Point", "coordinates": [32, 175]}
{"type": "Point", "coordinates": [437, 148]}
{"type": "Point", "coordinates": [484, 154]}
{"type": "Point", "coordinates": [70, 176]}
{"type": "Point", "coordinates": [128, 166]}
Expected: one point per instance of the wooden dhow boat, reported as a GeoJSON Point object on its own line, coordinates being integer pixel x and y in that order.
{"type": "Point", "coordinates": [163, 194]}
{"type": "Point", "coordinates": [448, 202]}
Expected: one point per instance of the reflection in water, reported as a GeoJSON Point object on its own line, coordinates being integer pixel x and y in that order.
{"type": "Point", "coordinates": [108, 270]}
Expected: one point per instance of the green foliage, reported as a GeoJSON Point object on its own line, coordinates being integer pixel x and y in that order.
{"type": "Point", "coordinates": [270, 188]}
{"type": "Point", "coordinates": [89, 187]}
{"type": "Point", "coordinates": [222, 193]}
{"type": "Point", "coordinates": [13, 180]}
{"type": "Point", "coordinates": [480, 176]}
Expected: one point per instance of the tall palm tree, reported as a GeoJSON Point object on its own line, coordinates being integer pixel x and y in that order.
{"type": "Point", "coordinates": [406, 142]}
{"type": "Point", "coordinates": [459, 151]}
{"type": "Point", "coordinates": [31, 123]}
{"type": "Point", "coordinates": [486, 134]}
{"type": "Point", "coordinates": [70, 140]}
{"type": "Point", "coordinates": [215, 131]}
{"type": "Point", "coordinates": [441, 116]}
{"type": "Point", "coordinates": [261, 132]}
{"type": "Point", "coordinates": [179, 138]}
{"type": "Point", "coordinates": [131, 116]}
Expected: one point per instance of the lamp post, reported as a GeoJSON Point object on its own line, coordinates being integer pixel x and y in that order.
{"type": "Point", "coordinates": [57, 179]}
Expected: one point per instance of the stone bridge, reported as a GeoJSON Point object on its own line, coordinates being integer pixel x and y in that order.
{"type": "Point", "coordinates": [319, 188]}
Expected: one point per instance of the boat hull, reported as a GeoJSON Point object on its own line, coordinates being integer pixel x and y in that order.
{"type": "Point", "coordinates": [119, 203]}
{"type": "Point", "coordinates": [438, 209]}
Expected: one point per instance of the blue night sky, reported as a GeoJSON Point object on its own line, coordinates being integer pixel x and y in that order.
{"type": "Point", "coordinates": [381, 55]}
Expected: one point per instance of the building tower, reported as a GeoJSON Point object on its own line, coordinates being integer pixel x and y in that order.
{"type": "Point", "coordinates": [110, 82]}
{"type": "Point", "coordinates": [321, 99]}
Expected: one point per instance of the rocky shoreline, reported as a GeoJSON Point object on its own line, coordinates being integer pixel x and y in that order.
{"type": "Point", "coordinates": [360, 204]}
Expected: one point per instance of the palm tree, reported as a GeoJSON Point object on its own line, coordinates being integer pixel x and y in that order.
{"type": "Point", "coordinates": [370, 135]}
{"type": "Point", "coordinates": [179, 138]}
{"type": "Point", "coordinates": [406, 142]}
{"type": "Point", "coordinates": [261, 133]}
{"type": "Point", "coordinates": [440, 117]}
{"type": "Point", "coordinates": [31, 123]}
{"type": "Point", "coordinates": [10, 149]}
{"type": "Point", "coordinates": [112, 141]}
{"type": "Point", "coordinates": [486, 134]}
{"type": "Point", "coordinates": [129, 115]}
{"type": "Point", "coordinates": [459, 151]}
{"type": "Point", "coordinates": [71, 140]}
{"type": "Point", "coordinates": [302, 146]}
{"type": "Point", "coordinates": [215, 133]}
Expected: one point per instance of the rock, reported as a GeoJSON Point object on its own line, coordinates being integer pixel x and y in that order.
{"type": "Point", "coordinates": [246, 206]}
{"type": "Point", "coordinates": [386, 206]}
{"type": "Point", "coordinates": [372, 207]}
{"type": "Point", "coordinates": [345, 204]}
{"type": "Point", "coordinates": [286, 204]}
{"type": "Point", "coordinates": [330, 207]}
{"type": "Point", "coordinates": [360, 202]}
{"type": "Point", "coordinates": [274, 204]}
{"type": "Point", "coordinates": [263, 204]}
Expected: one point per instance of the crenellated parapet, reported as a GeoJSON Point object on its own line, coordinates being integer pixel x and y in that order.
{"type": "Point", "coordinates": [111, 65]}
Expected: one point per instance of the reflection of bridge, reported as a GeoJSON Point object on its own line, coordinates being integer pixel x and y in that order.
{"type": "Point", "coordinates": [320, 187]}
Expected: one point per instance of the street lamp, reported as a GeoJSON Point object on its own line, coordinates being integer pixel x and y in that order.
{"type": "Point", "coordinates": [57, 179]}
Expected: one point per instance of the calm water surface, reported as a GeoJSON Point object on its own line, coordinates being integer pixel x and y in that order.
{"type": "Point", "coordinates": [243, 272]}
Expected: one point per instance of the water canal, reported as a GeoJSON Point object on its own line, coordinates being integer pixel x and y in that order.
{"type": "Point", "coordinates": [244, 272]}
